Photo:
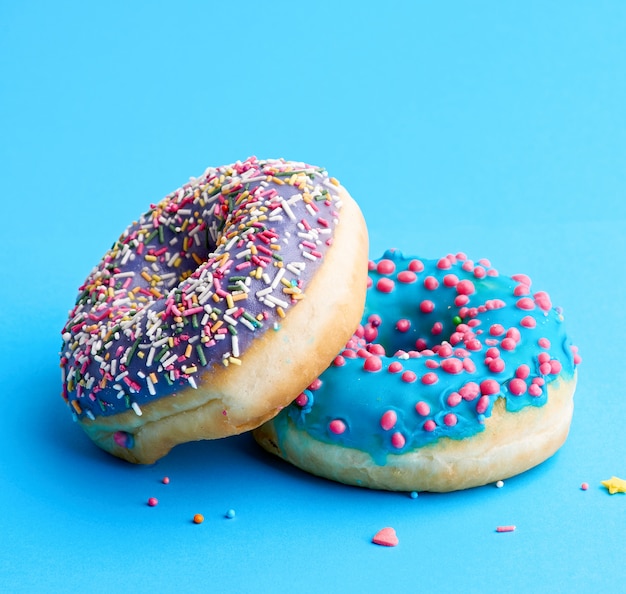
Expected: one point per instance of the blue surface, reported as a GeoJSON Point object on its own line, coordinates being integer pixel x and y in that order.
{"type": "Point", "coordinates": [498, 131]}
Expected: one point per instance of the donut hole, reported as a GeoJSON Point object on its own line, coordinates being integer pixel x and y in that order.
{"type": "Point", "coordinates": [410, 331]}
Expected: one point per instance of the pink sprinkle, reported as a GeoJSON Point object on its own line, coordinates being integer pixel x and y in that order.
{"type": "Point", "coordinates": [525, 303]}
{"type": "Point", "coordinates": [432, 364]}
{"type": "Point", "coordinates": [517, 386]}
{"type": "Point", "coordinates": [385, 267]}
{"type": "Point", "coordinates": [523, 371]}
{"type": "Point", "coordinates": [469, 366]}
{"type": "Point", "coordinates": [431, 283]}
{"type": "Point", "coordinates": [479, 272]}
{"type": "Point", "coordinates": [427, 306]}
{"type": "Point", "coordinates": [452, 365]}
{"type": "Point", "coordinates": [544, 343]}
{"type": "Point", "coordinates": [339, 361]}
{"type": "Point", "coordinates": [584, 486]}
{"type": "Point", "coordinates": [522, 278]}
{"type": "Point", "coordinates": [508, 344]}
{"type": "Point", "coordinates": [482, 405]}
{"type": "Point", "coordinates": [385, 285]}
{"type": "Point", "coordinates": [430, 378]}
{"type": "Point", "coordinates": [409, 377]}
{"type": "Point", "coordinates": [376, 349]}
{"type": "Point", "coordinates": [543, 357]}
{"type": "Point", "coordinates": [521, 290]}
{"type": "Point", "coordinates": [388, 420]}
{"type": "Point", "coordinates": [398, 440]}
{"type": "Point", "coordinates": [470, 391]}
{"type": "Point", "coordinates": [505, 529]}
{"type": "Point", "coordinates": [395, 367]}
{"type": "Point", "coordinates": [450, 419]}
{"type": "Point", "coordinates": [461, 300]}
{"type": "Point", "coordinates": [545, 369]}
{"type": "Point", "coordinates": [437, 328]}
{"type": "Point", "coordinates": [514, 334]}
{"type": "Point", "coordinates": [489, 386]}
{"type": "Point", "coordinates": [316, 384]}
{"type": "Point", "coordinates": [407, 277]}
{"type": "Point", "coordinates": [337, 426]}
{"type": "Point", "coordinates": [302, 400]}
{"type": "Point", "coordinates": [403, 325]}
{"type": "Point", "coordinates": [166, 480]}
{"type": "Point", "coordinates": [373, 364]}
{"type": "Point", "coordinates": [430, 425]}
{"type": "Point", "coordinates": [454, 399]}
{"type": "Point", "coordinates": [153, 501]}
{"type": "Point", "coordinates": [416, 266]}
{"type": "Point", "coordinates": [371, 265]}
{"type": "Point", "coordinates": [496, 330]}
{"type": "Point", "coordinates": [370, 333]}
{"type": "Point", "coordinates": [422, 408]}
{"type": "Point", "coordinates": [556, 367]}
{"type": "Point", "coordinates": [528, 322]}
{"type": "Point", "coordinates": [542, 299]}
{"type": "Point", "coordinates": [445, 350]}
{"type": "Point", "coordinates": [444, 264]}
{"type": "Point", "coordinates": [496, 365]}
{"type": "Point", "coordinates": [450, 280]}
{"type": "Point", "coordinates": [465, 287]}
{"type": "Point", "coordinates": [535, 390]}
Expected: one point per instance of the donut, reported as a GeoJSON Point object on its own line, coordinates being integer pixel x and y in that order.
{"type": "Point", "coordinates": [456, 377]}
{"type": "Point", "coordinates": [214, 308]}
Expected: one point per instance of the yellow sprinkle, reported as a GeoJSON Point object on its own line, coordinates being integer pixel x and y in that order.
{"type": "Point", "coordinates": [286, 282]}
{"type": "Point", "coordinates": [334, 181]}
{"type": "Point", "coordinates": [274, 246]}
{"type": "Point", "coordinates": [260, 317]}
{"type": "Point", "coordinates": [76, 406]}
{"type": "Point", "coordinates": [229, 300]}
{"type": "Point", "coordinates": [156, 293]}
{"type": "Point", "coordinates": [153, 377]}
{"type": "Point", "coordinates": [259, 272]}
{"type": "Point", "coordinates": [217, 326]}
{"type": "Point", "coordinates": [177, 262]}
{"type": "Point", "coordinates": [240, 296]}
{"type": "Point", "coordinates": [170, 342]}
{"type": "Point", "coordinates": [280, 311]}
{"type": "Point", "coordinates": [234, 360]}
{"type": "Point", "coordinates": [184, 225]}
{"type": "Point", "coordinates": [150, 258]}
{"type": "Point", "coordinates": [215, 297]}
{"type": "Point", "coordinates": [140, 354]}
{"type": "Point", "coordinates": [253, 250]}
{"type": "Point", "coordinates": [190, 369]}
{"type": "Point", "coordinates": [145, 275]}
{"type": "Point", "coordinates": [277, 180]}
{"type": "Point", "coordinates": [188, 351]}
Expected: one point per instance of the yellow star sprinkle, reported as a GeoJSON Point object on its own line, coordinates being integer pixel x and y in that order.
{"type": "Point", "coordinates": [615, 485]}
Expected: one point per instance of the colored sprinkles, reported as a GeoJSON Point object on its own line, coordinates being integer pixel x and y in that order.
{"type": "Point", "coordinates": [193, 281]}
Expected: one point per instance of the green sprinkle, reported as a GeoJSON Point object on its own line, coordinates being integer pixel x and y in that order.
{"type": "Point", "coordinates": [194, 321]}
{"type": "Point", "coordinates": [132, 350]}
{"type": "Point", "coordinates": [232, 329]}
{"type": "Point", "coordinates": [151, 237]}
{"type": "Point", "coordinates": [161, 234]}
{"type": "Point", "coordinates": [456, 320]}
{"type": "Point", "coordinates": [161, 353]}
{"type": "Point", "coordinates": [201, 355]}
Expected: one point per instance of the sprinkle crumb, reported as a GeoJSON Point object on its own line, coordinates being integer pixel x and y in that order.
{"type": "Point", "coordinates": [386, 537]}
{"type": "Point", "coordinates": [166, 480]}
{"type": "Point", "coordinates": [584, 486]}
{"type": "Point", "coordinates": [152, 501]}
{"type": "Point", "coordinates": [230, 514]}
{"type": "Point", "coordinates": [198, 519]}
{"type": "Point", "coordinates": [500, 484]}
{"type": "Point", "coordinates": [414, 494]}
{"type": "Point", "coordinates": [505, 529]}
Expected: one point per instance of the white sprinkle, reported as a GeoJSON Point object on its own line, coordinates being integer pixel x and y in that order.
{"type": "Point", "coordinates": [150, 386]}
{"type": "Point", "coordinates": [192, 382]}
{"type": "Point", "coordinates": [136, 408]}
{"type": "Point", "coordinates": [287, 210]}
{"type": "Point", "coordinates": [500, 484]}
{"type": "Point", "coordinates": [235, 345]}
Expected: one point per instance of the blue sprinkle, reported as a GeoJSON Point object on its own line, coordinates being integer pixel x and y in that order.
{"type": "Point", "coordinates": [230, 514]}
{"type": "Point", "coordinates": [414, 494]}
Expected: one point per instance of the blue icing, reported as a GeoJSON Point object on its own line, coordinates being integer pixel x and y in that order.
{"type": "Point", "coordinates": [459, 401]}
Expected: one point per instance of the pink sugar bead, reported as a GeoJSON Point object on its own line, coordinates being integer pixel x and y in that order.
{"type": "Point", "coordinates": [450, 280]}
{"type": "Point", "coordinates": [385, 267]}
{"type": "Point", "coordinates": [422, 408]}
{"type": "Point", "coordinates": [461, 300]}
{"type": "Point", "coordinates": [482, 405]}
{"type": "Point", "coordinates": [395, 367]}
{"type": "Point", "coordinates": [543, 357]}
{"type": "Point", "coordinates": [385, 285]}
{"type": "Point", "coordinates": [535, 390]}
{"type": "Point", "coordinates": [544, 343]}
{"type": "Point", "coordinates": [371, 333]}
{"type": "Point", "coordinates": [388, 420]}
{"type": "Point", "coordinates": [528, 322]}
{"type": "Point", "coordinates": [496, 366]}
{"type": "Point", "coordinates": [523, 279]}
{"type": "Point", "coordinates": [470, 391]}
{"type": "Point", "coordinates": [465, 287]}
{"type": "Point", "coordinates": [373, 364]}
{"type": "Point", "coordinates": [337, 426]}
{"type": "Point", "coordinates": [416, 266]}
{"type": "Point", "coordinates": [302, 400]}
{"type": "Point", "coordinates": [545, 369]}
{"type": "Point", "coordinates": [508, 344]}
{"type": "Point", "coordinates": [398, 440]}
{"type": "Point", "coordinates": [556, 367]}
{"type": "Point", "coordinates": [469, 365]}
{"type": "Point", "coordinates": [523, 371]}
{"type": "Point", "coordinates": [479, 272]}
{"type": "Point", "coordinates": [403, 325]}
{"type": "Point", "coordinates": [452, 366]}
{"type": "Point", "coordinates": [525, 303]}
{"type": "Point", "coordinates": [454, 399]}
{"type": "Point", "coordinates": [431, 364]}
{"type": "Point", "coordinates": [407, 277]}
{"type": "Point", "coordinates": [521, 290]}
{"type": "Point", "coordinates": [514, 334]}
{"type": "Point", "coordinates": [409, 377]}
{"type": "Point", "coordinates": [430, 425]}
{"type": "Point", "coordinates": [430, 378]}
{"type": "Point", "coordinates": [517, 386]}
{"type": "Point", "coordinates": [376, 349]}
{"type": "Point", "coordinates": [427, 306]}
{"type": "Point", "coordinates": [489, 386]}
{"type": "Point", "coordinates": [450, 420]}
{"type": "Point", "coordinates": [444, 264]}
{"type": "Point", "coordinates": [431, 283]}
{"type": "Point", "coordinates": [496, 329]}
{"type": "Point", "coordinates": [339, 361]}
{"type": "Point", "coordinates": [542, 299]}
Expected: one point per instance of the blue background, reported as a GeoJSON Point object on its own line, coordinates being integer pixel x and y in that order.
{"type": "Point", "coordinates": [498, 129]}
